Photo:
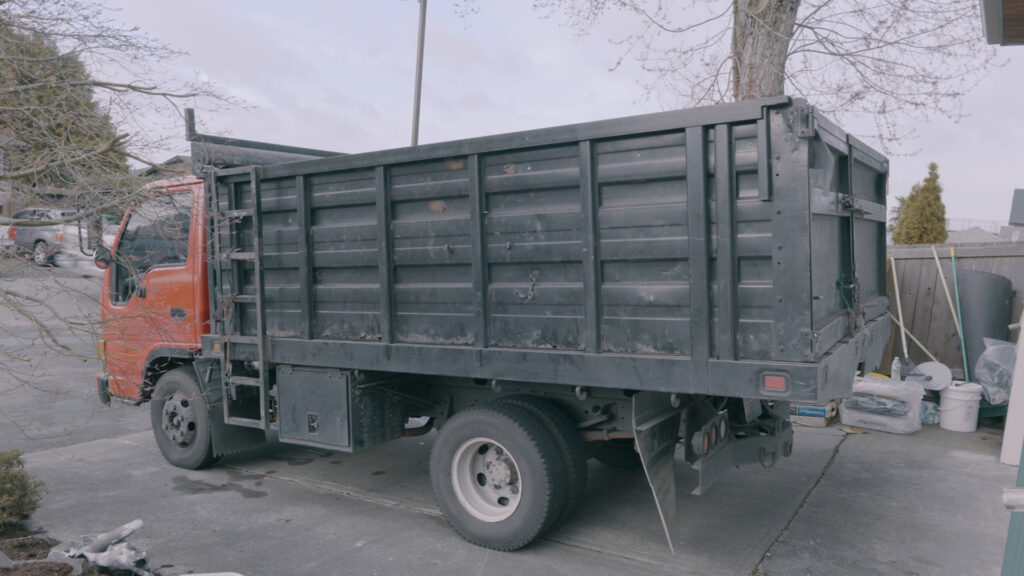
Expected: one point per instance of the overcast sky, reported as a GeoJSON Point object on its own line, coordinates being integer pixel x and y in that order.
{"type": "Point", "coordinates": [338, 75]}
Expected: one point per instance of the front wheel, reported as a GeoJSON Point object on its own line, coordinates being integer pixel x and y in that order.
{"type": "Point", "coordinates": [494, 470]}
{"type": "Point", "coordinates": [181, 420]}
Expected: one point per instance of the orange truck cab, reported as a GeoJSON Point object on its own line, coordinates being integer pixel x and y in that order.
{"type": "Point", "coordinates": [154, 301]}
{"type": "Point", "coordinates": [155, 305]}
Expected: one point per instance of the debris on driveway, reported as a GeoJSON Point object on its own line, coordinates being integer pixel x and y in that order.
{"type": "Point", "coordinates": [109, 550]}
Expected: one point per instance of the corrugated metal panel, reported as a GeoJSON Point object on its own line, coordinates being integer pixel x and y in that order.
{"type": "Point", "coordinates": [343, 238]}
{"type": "Point", "coordinates": [643, 245]}
{"type": "Point", "coordinates": [432, 253]}
{"type": "Point", "coordinates": [533, 232]}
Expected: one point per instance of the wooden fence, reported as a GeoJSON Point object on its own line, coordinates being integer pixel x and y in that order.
{"type": "Point", "coordinates": [926, 310]}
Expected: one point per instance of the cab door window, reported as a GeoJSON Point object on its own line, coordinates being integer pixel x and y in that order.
{"type": "Point", "coordinates": [155, 236]}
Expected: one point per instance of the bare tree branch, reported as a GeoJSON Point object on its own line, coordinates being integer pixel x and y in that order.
{"type": "Point", "coordinates": [80, 94]}
{"type": "Point", "coordinates": [113, 86]}
{"type": "Point", "coordinates": [898, 60]}
{"type": "Point", "coordinates": [84, 157]}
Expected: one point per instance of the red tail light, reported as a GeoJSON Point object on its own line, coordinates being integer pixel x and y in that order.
{"type": "Point", "coordinates": [777, 383]}
{"type": "Point", "coordinates": [11, 231]}
{"type": "Point", "coordinates": [60, 236]}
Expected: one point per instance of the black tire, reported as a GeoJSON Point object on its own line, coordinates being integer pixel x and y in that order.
{"type": "Point", "coordinates": [618, 454]}
{"type": "Point", "coordinates": [41, 254]}
{"type": "Point", "coordinates": [181, 421]}
{"type": "Point", "coordinates": [522, 464]}
{"type": "Point", "coordinates": [570, 445]}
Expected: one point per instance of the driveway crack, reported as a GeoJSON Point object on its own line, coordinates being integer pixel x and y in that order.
{"type": "Point", "coordinates": [828, 465]}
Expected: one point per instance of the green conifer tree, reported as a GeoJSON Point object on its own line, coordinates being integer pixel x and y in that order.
{"type": "Point", "coordinates": [64, 139]}
{"type": "Point", "coordinates": [922, 216]}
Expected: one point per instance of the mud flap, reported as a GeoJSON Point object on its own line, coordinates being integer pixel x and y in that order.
{"type": "Point", "coordinates": [656, 427]}
{"type": "Point", "coordinates": [226, 438]}
{"type": "Point", "coordinates": [713, 441]}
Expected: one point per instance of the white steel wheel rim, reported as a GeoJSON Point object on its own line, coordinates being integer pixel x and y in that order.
{"type": "Point", "coordinates": [179, 420]}
{"type": "Point", "coordinates": [486, 480]}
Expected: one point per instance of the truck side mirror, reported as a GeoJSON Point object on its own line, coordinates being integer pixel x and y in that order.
{"type": "Point", "coordinates": [102, 257]}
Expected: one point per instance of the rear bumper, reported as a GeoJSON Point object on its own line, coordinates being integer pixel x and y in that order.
{"type": "Point", "coordinates": [829, 378]}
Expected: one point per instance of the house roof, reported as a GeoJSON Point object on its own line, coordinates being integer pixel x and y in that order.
{"type": "Point", "coordinates": [973, 235]}
{"type": "Point", "coordinates": [1003, 21]}
{"type": "Point", "coordinates": [174, 165]}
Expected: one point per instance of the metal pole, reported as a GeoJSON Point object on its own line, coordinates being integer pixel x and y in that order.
{"type": "Point", "coordinates": [913, 338]}
{"type": "Point", "coordinates": [419, 74]}
{"type": "Point", "coordinates": [899, 308]}
{"type": "Point", "coordinates": [949, 298]}
{"type": "Point", "coordinates": [960, 314]}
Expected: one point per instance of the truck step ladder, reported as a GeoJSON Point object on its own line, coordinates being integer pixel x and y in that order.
{"type": "Point", "coordinates": [245, 381]}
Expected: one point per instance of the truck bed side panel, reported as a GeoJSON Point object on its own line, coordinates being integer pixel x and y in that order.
{"type": "Point", "coordinates": [650, 256]}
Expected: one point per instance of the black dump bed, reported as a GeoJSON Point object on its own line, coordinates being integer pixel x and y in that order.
{"type": "Point", "coordinates": [709, 250]}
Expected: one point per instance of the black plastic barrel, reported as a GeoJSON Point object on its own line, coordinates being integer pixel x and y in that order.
{"type": "Point", "coordinates": [985, 302]}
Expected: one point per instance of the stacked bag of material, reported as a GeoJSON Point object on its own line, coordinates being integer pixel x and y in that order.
{"type": "Point", "coordinates": [994, 370]}
{"type": "Point", "coordinates": [886, 405]}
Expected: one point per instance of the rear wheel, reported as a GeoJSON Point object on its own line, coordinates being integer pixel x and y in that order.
{"type": "Point", "coordinates": [494, 472]}
{"type": "Point", "coordinates": [181, 421]}
{"type": "Point", "coordinates": [570, 446]}
{"type": "Point", "coordinates": [41, 254]}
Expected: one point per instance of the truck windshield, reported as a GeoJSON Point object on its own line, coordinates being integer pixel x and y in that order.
{"type": "Point", "coordinates": [156, 235]}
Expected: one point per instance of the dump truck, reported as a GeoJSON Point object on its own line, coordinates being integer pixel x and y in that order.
{"type": "Point", "coordinates": [634, 290]}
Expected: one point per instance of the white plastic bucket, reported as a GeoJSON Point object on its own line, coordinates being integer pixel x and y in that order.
{"type": "Point", "coordinates": [959, 407]}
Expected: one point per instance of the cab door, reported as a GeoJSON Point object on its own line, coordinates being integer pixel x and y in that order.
{"type": "Point", "coordinates": [149, 312]}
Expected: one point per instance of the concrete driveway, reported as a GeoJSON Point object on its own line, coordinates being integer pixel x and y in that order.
{"type": "Point", "coordinates": [48, 365]}
{"type": "Point", "coordinates": [857, 504]}
{"type": "Point", "coordinates": [926, 504]}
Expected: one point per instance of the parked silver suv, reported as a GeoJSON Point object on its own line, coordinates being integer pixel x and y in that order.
{"type": "Point", "coordinates": [58, 238]}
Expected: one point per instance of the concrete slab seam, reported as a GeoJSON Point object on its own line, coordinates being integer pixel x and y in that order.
{"type": "Point", "coordinates": [622, 556]}
{"type": "Point", "coordinates": [828, 465]}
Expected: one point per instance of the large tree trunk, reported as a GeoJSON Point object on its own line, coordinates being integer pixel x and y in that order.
{"type": "Point", "coordinates": [760, 43]}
